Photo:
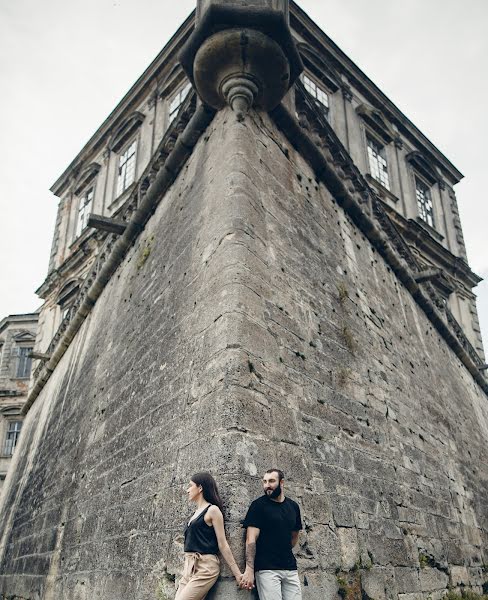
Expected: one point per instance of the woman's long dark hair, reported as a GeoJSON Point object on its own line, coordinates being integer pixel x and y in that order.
{"type": "Point", "coordinates": [209, 488]}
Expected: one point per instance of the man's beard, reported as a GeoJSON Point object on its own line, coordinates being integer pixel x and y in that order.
{"type": "Point", "coordinates": [275, 493]}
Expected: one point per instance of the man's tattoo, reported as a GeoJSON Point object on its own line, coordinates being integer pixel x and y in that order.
{"type": "Point", "coordinates": [250, 554]}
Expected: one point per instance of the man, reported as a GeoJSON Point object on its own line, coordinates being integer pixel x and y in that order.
{"type": "Point", "coordinates": [273, 523]}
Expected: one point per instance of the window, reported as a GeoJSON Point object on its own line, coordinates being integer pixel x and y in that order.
{"type": "Point", "coordinates": [24, 363]}
{"type": "Point", "coordinates": [321, 97]}
{"type": "Point", "coordinates": [127, 168]}
{"type": "Point", "coordinates": [178, 100]}
{"type": "Point", "coordinates": [84, 210]}
{"type": "Point", "coordinates": [424, 202]}
{"type": "Point", "coordinates": [13, 433]}
{"type": "Point", "coordinates": [377, 162]}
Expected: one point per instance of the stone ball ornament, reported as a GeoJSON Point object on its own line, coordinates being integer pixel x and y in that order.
{"type": "Point", "coordinates": [242, 68]}
{"type": "Point", "coordinates": [241, 55]}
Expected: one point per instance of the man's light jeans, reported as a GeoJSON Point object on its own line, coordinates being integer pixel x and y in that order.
{"type": "Point", "coordinates": [278, 585]}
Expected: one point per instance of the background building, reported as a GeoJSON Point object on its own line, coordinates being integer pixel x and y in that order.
{"type": "Point", "coordinates": [283, 282]}
{"type": "Point", "coordinates": [17, 337]}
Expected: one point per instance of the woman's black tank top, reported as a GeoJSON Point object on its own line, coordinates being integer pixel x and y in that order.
{"type": "Point", "coordinates": [200, 537]}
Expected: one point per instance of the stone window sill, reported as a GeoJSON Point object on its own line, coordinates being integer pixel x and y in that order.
{"type": "Point", "coordinates": [433, 232]}
{"type": "Point", "coordinates": [384, 192]}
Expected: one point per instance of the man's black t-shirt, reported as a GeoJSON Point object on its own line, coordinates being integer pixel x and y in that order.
{"type": "Point", "coordinates": [276, 522]}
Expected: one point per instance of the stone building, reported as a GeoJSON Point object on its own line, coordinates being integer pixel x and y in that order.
{"type": "Point", "coordinates": [257, 260]}
{"type": "Point", "coordinates": [17, 337]}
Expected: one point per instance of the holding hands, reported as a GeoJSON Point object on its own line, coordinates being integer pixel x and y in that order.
{"type": "Point", "coordinates": [247, 580]}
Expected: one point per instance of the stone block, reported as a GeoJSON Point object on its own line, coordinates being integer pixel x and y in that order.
{"type": "Point", "coordinates": [318, 585]}
{"type": "Point", "coordinates": [348, 542]}
{"type": "Point", "coordinates": [407, 579]}
{"type": "Point", "coordinates": [373, 583]}
{"type": "Point", "coordinates": [341, 511]}
{"type": "Point", "coordinates": [432, 579]}
{"type": "Point", "coordinates": [324, 543]}
{"type": "Point", "coordinates": [459, 576]}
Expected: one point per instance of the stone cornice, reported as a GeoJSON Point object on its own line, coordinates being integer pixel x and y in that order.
{"type": "Point", "coordinates": [315, 38]}
{"type": "Point", "coordinates": [21, 318]}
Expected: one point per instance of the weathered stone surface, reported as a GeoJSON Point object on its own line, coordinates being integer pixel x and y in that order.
{"type": "Point", "coordinates": [433, 579]}
{"type": "Point", "coordinates": [348, 541]}
{"type": "Point", "coordinates": [408, 580]}
{"type": "Point", "coordinates": [232, 349]}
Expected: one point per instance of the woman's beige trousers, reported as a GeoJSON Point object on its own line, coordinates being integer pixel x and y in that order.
{"type": "Point", "coordinates": [200, 572]}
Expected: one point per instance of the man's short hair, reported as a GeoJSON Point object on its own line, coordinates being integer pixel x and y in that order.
{"type": "Point", "coordinates": [281, 475]}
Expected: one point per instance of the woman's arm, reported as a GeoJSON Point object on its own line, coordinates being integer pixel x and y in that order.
{"type": "Point", "coordinates": [217, 521]}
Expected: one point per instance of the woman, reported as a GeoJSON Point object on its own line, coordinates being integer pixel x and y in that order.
{"type": "Point", "coordinates": [204, 538]}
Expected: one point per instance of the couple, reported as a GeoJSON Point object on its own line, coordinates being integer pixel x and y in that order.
{"type": "Point", "coordinates": [272, 522]}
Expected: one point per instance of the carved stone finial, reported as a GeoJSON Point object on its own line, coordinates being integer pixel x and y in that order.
{"type": "Point", "coordinates": [240, 93]}
{"type": "Point", "coordinates": [242, 54]}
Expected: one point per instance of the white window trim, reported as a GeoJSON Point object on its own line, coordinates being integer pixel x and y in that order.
{"type": "Point", "coordinates": [317, 91]}
{"type": "Point", "coordinates": [83, 209]}
{"type": "Point", "coordinates": [378, 171]}
{"type": "Point", "coordinates": [419, 181]}
{"type": "Point", "coordinates": [125, 180]}
{"type": "Point", "coordinates": [177, 100]}
{"type": "Point", "coordinates": [9, 445]}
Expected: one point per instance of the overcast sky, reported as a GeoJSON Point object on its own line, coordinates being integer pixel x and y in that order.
{"type": "Point", "coordinates": [64, 65]}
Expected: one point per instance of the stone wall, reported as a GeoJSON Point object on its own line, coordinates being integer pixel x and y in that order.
{"type": "Point", "coordinates": [252, 325]}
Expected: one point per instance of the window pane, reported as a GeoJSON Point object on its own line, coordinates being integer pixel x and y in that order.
{"type": "Point", "coordinates": [320, 95]}
{"type": "Point", "coordinates": [424, 202]}
{"type": "Point", "coordinates": [84, 210]}
{"type": "Point", "coordinates": [24, 363]}
{"type": "Point", "coordinates": [127, 168]}
{"type": "Point", "coordinates": [377, 163]}
{"type": "Point", "coordinates": [178, 100]}
{"type": "Point", "coordinates": [13, 433]}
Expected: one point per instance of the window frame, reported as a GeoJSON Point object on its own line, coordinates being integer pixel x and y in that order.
{"type": "Point", "coordinates": [128, 182]}
{"type": "Point", "coordinates": [383, 154]}
{"type": "Point", "coordinates": [23, 356]}
{"type": "Point", "coordinates": [180, 95]}
{"type": "Point", "coordinates": [420, 182]}
{"type": "Point", "coordinates": [82, 213]}
{"type": "Point", "coordinates": [9, 448]}
{"type": "Point", "coordinates": [314, 82]}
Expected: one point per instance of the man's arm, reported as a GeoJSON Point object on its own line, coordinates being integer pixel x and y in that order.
{"type": "Point", "coordinates": [247, 581]}
{"type": "Point", "coordinates": [294, 538]}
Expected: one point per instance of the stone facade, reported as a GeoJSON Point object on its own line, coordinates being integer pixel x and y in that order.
{"type": "Point", "coordinates": [17, 337]}
{"type": "Point", "coordinates": [266, 302]}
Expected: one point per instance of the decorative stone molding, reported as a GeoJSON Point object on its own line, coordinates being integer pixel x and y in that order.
{"type": "Point", "coordinates": [424, 167]}
{"type": "Point", "coordinates": [318, 66]}
{"type": "Point", "coordinates": [242, 54]}
{"type": "Point", "coordinates": [123, 133]}
{"type": "Point", "coordinates": [86, 176]}
{"type": "Point", "coordinates": [11, 410]}
{"type": "Point", "coordinates": [377, 122]}
{"type": "Point", "coordinates": [171, 82]}
{"type": "Point", "coordinates": [347, 92]}
{"type": "Point", "coordinates": [69, 290]}
{"type": "Point", "coordinates": [398, 143]}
